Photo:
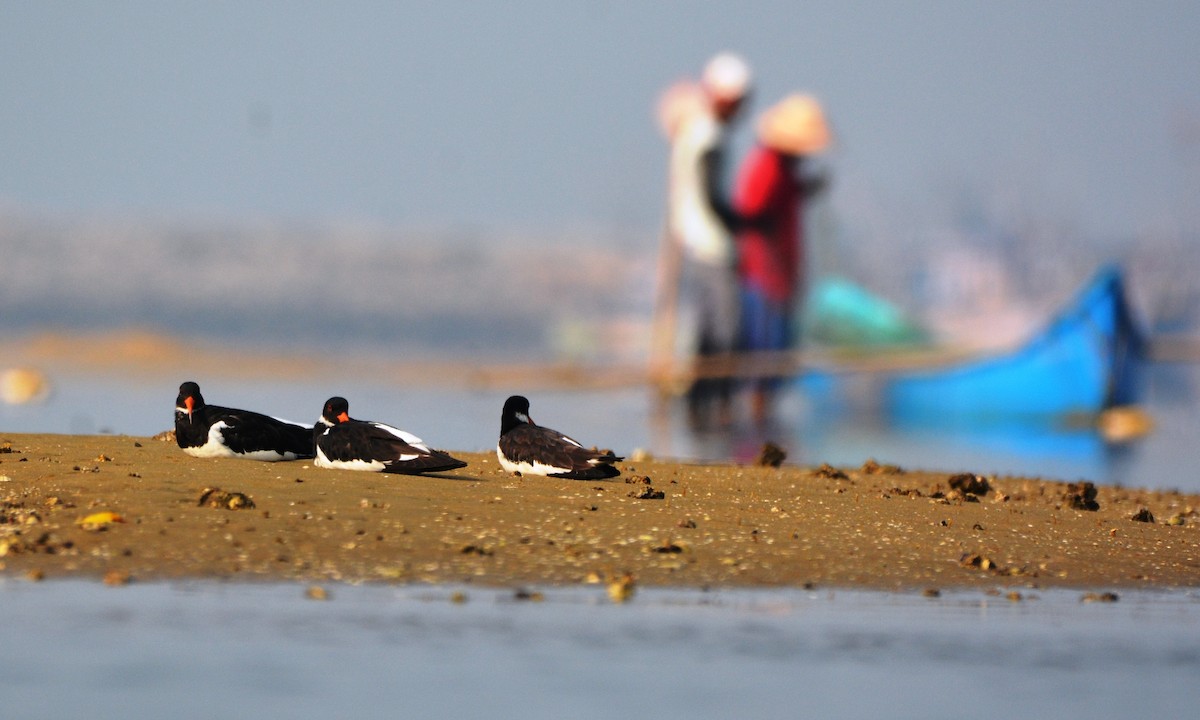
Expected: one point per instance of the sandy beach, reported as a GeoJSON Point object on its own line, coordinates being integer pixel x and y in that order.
{"type": "Point", "coordinates": [124, 509]}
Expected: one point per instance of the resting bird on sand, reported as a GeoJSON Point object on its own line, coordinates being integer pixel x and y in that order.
{"type": "Point", "coordinates": [205, 431]}
{"type": "Point", "coordinates": [347, 444]}
{"type": "Point", "coordinates": [525, 447]}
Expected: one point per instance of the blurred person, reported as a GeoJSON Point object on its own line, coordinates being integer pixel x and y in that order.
{"type": "Point", "coordinates": [702, 221]}
{"type": "Point", "coordinates": [678, 103]}
{"type": "Point", "coordinates": [772, 189]}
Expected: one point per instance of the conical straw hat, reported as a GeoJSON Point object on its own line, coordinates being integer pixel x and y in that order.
{"type": "Point", "coordinates": [795, 125]}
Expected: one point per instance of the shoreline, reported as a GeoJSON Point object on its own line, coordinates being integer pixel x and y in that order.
{"type": "Point", "coordinates": [123, 508]}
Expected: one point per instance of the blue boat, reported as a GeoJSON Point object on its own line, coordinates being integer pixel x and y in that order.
{"type": "Point", "coordinates": [1084, 361]}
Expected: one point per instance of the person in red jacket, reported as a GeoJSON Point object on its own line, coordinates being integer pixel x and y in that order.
{"type": "Point", "coordinates": [773, 186]}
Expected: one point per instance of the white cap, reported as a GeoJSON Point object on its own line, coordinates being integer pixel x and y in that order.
{"type": "Point", "coordinates": [726, 77]}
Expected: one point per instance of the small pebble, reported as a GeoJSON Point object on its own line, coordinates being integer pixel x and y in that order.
{"type": "Point", "coordinates": [117, 577]}
{"type": "Point", "coordinates": [621, 589]}
{"type": "Point", "coordinates": [1143, 515]}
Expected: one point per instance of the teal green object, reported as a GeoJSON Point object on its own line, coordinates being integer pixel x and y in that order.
{"type": "Point", "coordinates": [840, 313]}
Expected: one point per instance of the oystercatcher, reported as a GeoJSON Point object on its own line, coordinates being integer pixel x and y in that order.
{"type": "Point", "coordinates": [348, 444]}
{"type": "Point", "coordinates": [525, 447]}
{"type": "Point", "coordinates": [205, 430]}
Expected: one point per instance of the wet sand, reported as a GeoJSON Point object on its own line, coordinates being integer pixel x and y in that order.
{"type": "Point", "coordinates": [123, 509]}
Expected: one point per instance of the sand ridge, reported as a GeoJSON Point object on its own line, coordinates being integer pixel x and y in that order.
{"type": "Point", "coordinates": [129, 508]}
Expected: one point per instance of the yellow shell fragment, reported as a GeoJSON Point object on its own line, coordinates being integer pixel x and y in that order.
{"type": "Point", "coordinates": [621, 589]}
{"type": "Point", "coordinates": [100, 520]}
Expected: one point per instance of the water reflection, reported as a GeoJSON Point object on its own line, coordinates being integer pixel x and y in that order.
{"type": "Point", "coordinates": [842, 424]}
{"type": "Point", "coordinates": [850, 440]}
{"type": "Point", "coordinates": [811, 430]}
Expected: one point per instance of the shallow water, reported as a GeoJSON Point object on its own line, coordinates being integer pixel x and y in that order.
{"type": "Point", "coordinates": [624, 420]}
{"type": "Point", "coordinates": [212, 650]}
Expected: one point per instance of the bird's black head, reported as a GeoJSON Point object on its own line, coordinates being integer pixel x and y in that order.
{"type": "Point", "coordinates": [189, 399]}
{"type": "Point", "coordinates": [337, 410]}
{"type": "Point", "coordinates": [516, 412]}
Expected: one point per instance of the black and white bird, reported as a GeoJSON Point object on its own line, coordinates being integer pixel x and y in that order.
{"type": "Point", "coordinates": [526, 447]}
{"type": "Point", "coordinates": [211, 431]}
{"type": "Point", "coordinates": [347, 444]}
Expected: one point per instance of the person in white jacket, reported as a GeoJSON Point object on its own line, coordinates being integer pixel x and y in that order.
{"type": "Point", "coordinates": [702, 221]}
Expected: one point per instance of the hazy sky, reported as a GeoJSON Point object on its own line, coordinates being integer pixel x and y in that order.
{"type": "Point", "coordinates": [538, 114]}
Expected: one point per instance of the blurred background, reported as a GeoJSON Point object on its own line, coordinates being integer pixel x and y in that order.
{"type": "Point", "coordinates": [283, 200]}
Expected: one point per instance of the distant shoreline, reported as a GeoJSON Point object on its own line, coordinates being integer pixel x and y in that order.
{"type": "Point", "coordinates": [147, 353]}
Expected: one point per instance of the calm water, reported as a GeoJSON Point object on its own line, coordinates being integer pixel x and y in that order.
{"type": "Point", "coordinates": [625, 420]}
{"type": "Point", "coordinates": [210, 650]}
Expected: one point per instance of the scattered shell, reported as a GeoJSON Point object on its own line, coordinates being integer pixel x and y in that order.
{"type": "Point", "coordinates": [99, 521]}
{"type": "Point", "coordinates": [667, 547]}
{"type": "Point", "coordinates": [871, 467]}
{"type": "Point", "coordinates": [1143, 515]}
{"type": "Point", "coordinates": [117, 577]}
{"type": "Point", "coordinates": [621, 589]}
{"type": "Point", "coordinates": [1176, 519]}
{"type": "Point", "coordinates": [1082, 496]}
{"type": "Point", "coordinates": [771, 455]}
{"type": "Point", "coordinates": [167, 436]}
{"type": "Point", "coordinates": [217, 498]}
{"type": "Point", "coordinates": [980, 561]}
{"type": "Point", "coordinates": [969, 483]}
{"type": "Point", "coordinates": [316, 592]}
{"type": "Point", "coordinates": [830, 472]}
{"type": "Point", "coordinates": [647, 493]}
